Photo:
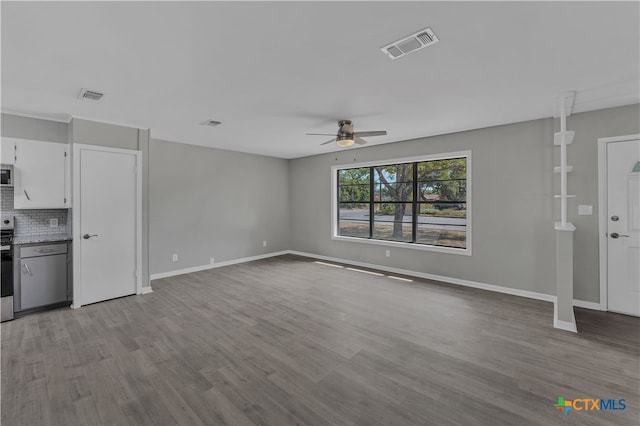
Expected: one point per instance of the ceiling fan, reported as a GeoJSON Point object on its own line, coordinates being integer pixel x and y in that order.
{"type": "Point", "coordinates": [346, 136]}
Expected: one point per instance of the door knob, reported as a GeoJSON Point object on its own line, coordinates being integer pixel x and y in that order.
{"type": "Point", "coordinates": [616, 235]}
{"type": "Point", "coordinates": [87, 236]}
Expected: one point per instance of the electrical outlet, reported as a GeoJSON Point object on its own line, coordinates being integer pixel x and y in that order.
{"type": "Point", "coordinates": [387, 253]}
{"type": "Point", "coordinates": [585, 209]}
{"type": "Point", "coordinates": [264, 244]}
{"type": "Point", "coordinates": [53, 223]}
{"type": "Point", "coordinates": [175, 257]}
{"type": "Point", "coordinates": [211, 261]}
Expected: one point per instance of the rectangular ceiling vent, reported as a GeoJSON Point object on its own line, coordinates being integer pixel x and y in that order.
{"type": "Point", "coordinates": [414, 42]}
{"type": "Point", "coordinates": [90, 95]}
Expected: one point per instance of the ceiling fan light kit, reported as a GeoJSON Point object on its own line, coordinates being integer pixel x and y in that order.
{"type": "Point", "coordinates": [344, 141]}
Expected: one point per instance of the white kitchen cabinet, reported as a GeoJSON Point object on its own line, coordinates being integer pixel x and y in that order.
{"type": "Point", "coordinates": [6, 150]}
{"type": "Point", "coordinates": [41, 178]}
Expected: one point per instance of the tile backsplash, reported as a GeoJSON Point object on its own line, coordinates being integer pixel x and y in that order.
{"type": "Point", "coordinates": [33, 222]}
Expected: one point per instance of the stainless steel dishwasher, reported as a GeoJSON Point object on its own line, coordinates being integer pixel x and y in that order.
{"type": "Point", "coordinates": [43, 275]}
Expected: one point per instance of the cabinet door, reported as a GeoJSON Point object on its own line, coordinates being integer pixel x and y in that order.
{"type": "Point", "coordinates": [6, 151]}
{"type": "Point", "coordinates": [40, 175]}
{"type": "Point", "coordinates": [43, 280]}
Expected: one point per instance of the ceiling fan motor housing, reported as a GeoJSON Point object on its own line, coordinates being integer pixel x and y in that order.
{"type": "Point", "coordinates": [344, 138]}
{"type": "Point", "coordinates": [345, 127]}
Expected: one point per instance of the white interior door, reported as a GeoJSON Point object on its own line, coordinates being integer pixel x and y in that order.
{"type": "Point", "coordinates": [109, 201]}
{"type": "Point", "coordinates": [623, 227]}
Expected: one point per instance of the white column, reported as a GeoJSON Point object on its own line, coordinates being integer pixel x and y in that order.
{"type": "Point", "coordinates": [563, 317]}
{"type": "Point", "coordinates": [563, 164]}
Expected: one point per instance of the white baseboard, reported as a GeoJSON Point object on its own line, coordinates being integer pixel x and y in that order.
{"type": "Point", "coordinates": [216, 265]}
{"type": "Point", "coordinates": [587, 305]}
{"type": "Point", "coordinates": [146, 290]}
{"type": "Point", "coordinates": [564, 325]}
{"type": "Point", "coordinates": [442, 278]}
{"type": "Point", "coordinates": [450, 280]}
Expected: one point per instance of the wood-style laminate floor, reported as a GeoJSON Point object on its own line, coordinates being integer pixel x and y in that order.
{"type": "Point", "coordinates": [288, 341]}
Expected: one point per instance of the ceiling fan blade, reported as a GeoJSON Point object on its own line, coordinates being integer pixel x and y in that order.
{"type": "Point", "coordinates": [359, 140]}
{"type": "Point", "coordinates": [373, 133]}
{"type": "Point", "coordinates": [329, 141]}
{"type": "Point", "coordinates": [320, 134]}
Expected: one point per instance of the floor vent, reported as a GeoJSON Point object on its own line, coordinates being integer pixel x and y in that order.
{"type": "Point", "coordinates": [414, 42]}
{"type": "Point", "coordinates": [90, 95]}
{"type": "Point", "coordinates": [212, 123]}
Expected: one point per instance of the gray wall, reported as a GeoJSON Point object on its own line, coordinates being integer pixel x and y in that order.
{"type": "Point", "coordinates": [114, 136]}
{"type": "Point", "coordinates": [513, 206]}
{"type": "Point", "coordinates": [208, 202]}
{"type": "Point", "coordinates": [103, 134]}
{"type": "Point", "coordinates": [16, 126]}
{"type": "Point", "coordinates": [202, 203]}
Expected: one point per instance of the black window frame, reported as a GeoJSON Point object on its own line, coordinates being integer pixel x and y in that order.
{"type": "Point", "coordinates": [415, 202]}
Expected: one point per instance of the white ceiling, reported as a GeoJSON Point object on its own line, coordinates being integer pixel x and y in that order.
{"type": "Point", "coordinates": [271, 72]}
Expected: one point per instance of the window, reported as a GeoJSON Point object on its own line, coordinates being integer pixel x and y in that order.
{"type": "Point", "coordinates": [420, 203]}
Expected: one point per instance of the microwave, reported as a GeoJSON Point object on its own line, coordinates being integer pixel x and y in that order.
{"type": "Point", "coordinates": [6, 175]}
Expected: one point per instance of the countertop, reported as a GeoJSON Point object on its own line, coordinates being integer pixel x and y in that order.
{"type": "Point", "coordinates": [41, 238]}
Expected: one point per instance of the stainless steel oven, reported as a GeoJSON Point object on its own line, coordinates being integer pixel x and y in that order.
{"type": "Point", "coordinates": [6, 251]}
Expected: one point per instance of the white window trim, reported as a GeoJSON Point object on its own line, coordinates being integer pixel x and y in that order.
{"type": "Point", "coordinates": [414, 246]}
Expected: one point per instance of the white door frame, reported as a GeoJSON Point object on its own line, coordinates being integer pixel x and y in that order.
{"type": "Point", "coordinates": [603, 214]}
{"type": "Point", "coordinates": [76, 214]}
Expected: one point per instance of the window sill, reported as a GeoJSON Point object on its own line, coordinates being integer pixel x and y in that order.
{"type": "Point", "coordinates": [398, 244]}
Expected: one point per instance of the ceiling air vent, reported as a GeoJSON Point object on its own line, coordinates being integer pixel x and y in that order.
{"type": "Point", "coordinates": [417, 41]}
{"type": "Point", "coordinates": [90, 95]}
{"type": "Point", "coordinates": [212, 123]}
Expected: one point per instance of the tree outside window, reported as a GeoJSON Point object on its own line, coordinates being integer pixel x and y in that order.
{"type": "Point", "coordinates": [378, 202]}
